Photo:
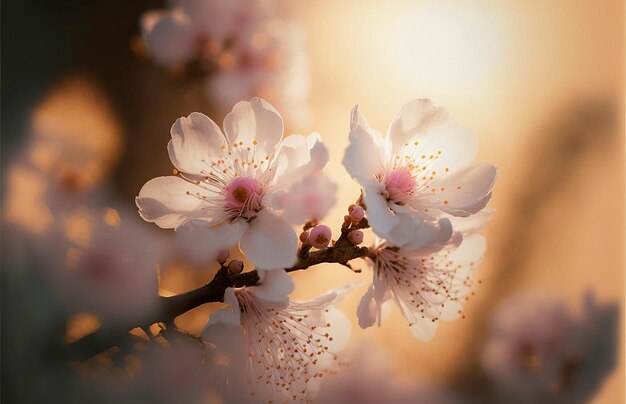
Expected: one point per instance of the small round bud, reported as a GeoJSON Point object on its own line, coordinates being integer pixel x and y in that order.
{"type": "Point", "coordinates": [320, 236]}
{"type": "Point", "coordinates": [357, 213]}
{"type": "Point", "coordinates": [355, 237]}
{"type": "Point", "coordinates": [304, 236]}
{"type": "Point", "coordinates": [222, 256]}
{"type": "Point", "coordinates": [235, 266]}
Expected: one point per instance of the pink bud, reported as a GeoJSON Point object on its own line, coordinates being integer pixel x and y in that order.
{"type": "Point", "coordinates": [357, 213]}
{"type": "Point", "coordinates": [355, 237]}
{"type": "Point", "coordinates": [222, 256]}
{"type": "Point", "coordinates": [320, 236]}
{"type": "Point", "coordinates": [304, 236]}
{"type": "Point", "coordinates": [235, 266]}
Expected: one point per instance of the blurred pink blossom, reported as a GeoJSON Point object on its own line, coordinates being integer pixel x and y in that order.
{"type": "Point", "coordinates": [539, 351]}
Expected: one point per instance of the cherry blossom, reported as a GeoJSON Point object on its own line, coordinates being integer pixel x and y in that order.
{"type": "Point", "coordinates": [196, 243]}
{"type": "Point", "coordinates": [105, 264]}
{"type": "Point", "coordinates": [418, 175]}
{"type": "Point", "coordinates": [539, 351]}
{"type": "Point", "coordinates": [195, 28]}
{"type": "Point", "coordinates": [271, 64]}
{"type": "Point", "coordinates": [425, 287]}
{"type": "Point", "coordinates": [287, 344]}
{"type": "Point", "coordinates": [368, 378]}
{"type": "Point", "coordinates": [309, 199]}
{"type": "Point", "coordinates": [242, 47]}
{"type": "Point", "coordinates": [231, 181]}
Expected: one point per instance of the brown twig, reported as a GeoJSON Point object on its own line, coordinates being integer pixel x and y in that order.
{"type": "Point", "coordinates": [168, 308]}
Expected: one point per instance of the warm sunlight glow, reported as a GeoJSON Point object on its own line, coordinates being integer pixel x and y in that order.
{"type": "Point", "coordinates": [454, 47]}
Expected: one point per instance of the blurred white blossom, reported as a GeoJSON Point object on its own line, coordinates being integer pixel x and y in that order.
{"type": "Point", "coordinates": [242, 47]}
{"type": "Point", "coordinates": [106, 264]}
{"type": "Point", "coordinates": [539, 351]}
{"type": "Point", "coordinates": [311, 199]}
{"type": "Point", "coordinates": [366, 377]}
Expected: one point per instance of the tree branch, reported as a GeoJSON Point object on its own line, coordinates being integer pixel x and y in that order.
{"type": "Point", "coordinates": [168, 308]}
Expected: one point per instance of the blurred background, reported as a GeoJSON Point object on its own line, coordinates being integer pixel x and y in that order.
{"type": "Point", "coordinates": [541, 84]}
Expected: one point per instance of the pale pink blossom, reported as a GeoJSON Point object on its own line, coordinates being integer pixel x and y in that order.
{"type": "Point", "coordinates": [425, 287]}
{"type": "Point", "coordinates": [310, 199]}
{"type": "Point", "coordinates": [243, 46]}
{"type": "Point", "coordinates": [368, 377]}
{"type": "Point", "coordinates": [168, 373]}
{"type": "Point", "coordinates": [539, 351]}
{"type": "Point", "coordinates": [271, 64]}
{"type": "Point", "coordinates": [231, 181]}
{"type": "Point", "coordinates": [105, 265]}
{"type": "Point", "coordinates": [418, 175]}
{"type": "Point", "coordinates": [193, 29]}
{"type": "Point", "coordinates": [198, 244]}
{"type": "Point", "coordinates": [286, 344]}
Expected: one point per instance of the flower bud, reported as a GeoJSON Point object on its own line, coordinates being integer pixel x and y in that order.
{"type": "Point", "coordinates": [355, 237]}
{"type": "Point", "coordinates": [320, 236]}
{"type": "Point", "coordinates": [235, 266]}
{"type": "Point", "coordinates": [222, 256]}
{"type": "Point", "coordinates": [357, 213]}
{"type": "Point", "coordinates": [304, 237]}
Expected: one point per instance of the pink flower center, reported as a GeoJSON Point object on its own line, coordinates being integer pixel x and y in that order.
{"type": "Point", "coordinates": [399, 184]}
{"type": "Point", "coordinates": [243, 195]}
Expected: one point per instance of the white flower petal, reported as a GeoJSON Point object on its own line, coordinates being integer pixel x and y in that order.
{"type": "Point", "coordinates": [379, 215]}
{"type": "Point", "coordinates": [196, 142]}
{"type": "Point", "coordinates": [224, 326]}
{"type": "Point", "coordinates": [168, 37]}
{"type": "Point", "coordinates": [309, 199]}
{"type": "Point", "coordinates": [300, 157]}
{"type": "Point", "coordinates": [424, 329]}
{"type": "Point", "coordinates": [423, 236]}
{"type": "Point", "coordinates": [270, 242]}
{"type": "Point", "coordinates": [341, 329]}
{"type": "Point", "coordinates": [465, 192]}
{"type": "Point", "coordinates": [274, 286]}
{"type": "Point", "coordinates": [471, 224]}
{"type": "Point", "coordinates": [414, 120]}
{"type": "Point", "coordinates": [254, 120]}
{"type": "Point", "coordinates": [199, 241]}
{"type": "Point", "coordinates": [365, 156]}
{"type": "Point", "coordinates": [332, 296]}
{"type": "Point", "coordinates": [457, 144]}
{"type": "Point", "coordinates": [367, 310]}
{"type": "Point", "coordinates": [164, 201]}
{"type": "Point", "coordinates": [470, 251]}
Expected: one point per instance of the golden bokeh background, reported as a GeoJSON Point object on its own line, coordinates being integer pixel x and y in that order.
{"type": "Point", "coordinates": [541, 84]}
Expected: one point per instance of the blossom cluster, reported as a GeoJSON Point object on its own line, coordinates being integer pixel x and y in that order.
{"type": "Point", "coordinates": [422, 194]}
{"type": "Point", "coordinates": [246, 205]}
{"type": "Point", "coordinates": [241, 48]}
{"type": "Point", "coordinates": [425, 199]}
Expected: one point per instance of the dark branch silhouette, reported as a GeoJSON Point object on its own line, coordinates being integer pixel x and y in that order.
{"type": "Point", "coordinates": [168, 308]}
